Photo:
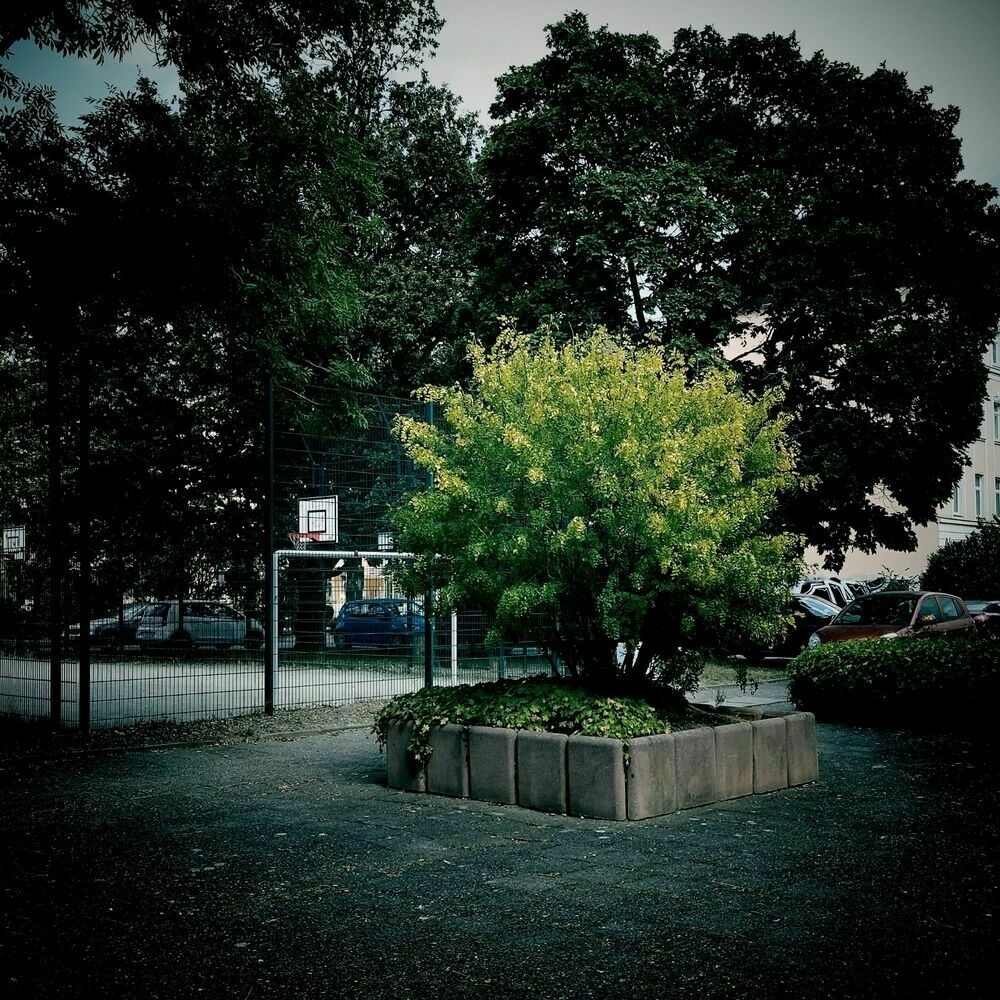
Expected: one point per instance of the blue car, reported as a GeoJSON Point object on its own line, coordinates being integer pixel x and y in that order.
{"type": "Point", "coordinates": [384, 622]}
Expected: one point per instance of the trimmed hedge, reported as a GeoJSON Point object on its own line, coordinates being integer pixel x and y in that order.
{"type": "Point", "coordinates": [537, 703]}
{"type": "Point", "coordinates": [896, 679]}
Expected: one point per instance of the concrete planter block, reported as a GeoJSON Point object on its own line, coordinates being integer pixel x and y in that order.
{"type": "Point", "coordinates": [803, 760]}
{"type": "Point", "coordinates": [734, 760]}
{"type": "Point", "coordinates": [596, 774]}
{"type": "Point", "coordinates": [448, 766]}
{"type": "Point", "coordinates": [541, 771]}
{"type": "Point", "coordinates": [651, 785]}
{"type": "Point", "coordinates": [587, 776]}
{"type": "Point", "coordinates": [770, 755]}
{"type": "Point", "coordinates": [403, 771]}
{"type": "Point", "coordinates": [493, 764]}
{"type": "Point", "coordinates": [694, 757]}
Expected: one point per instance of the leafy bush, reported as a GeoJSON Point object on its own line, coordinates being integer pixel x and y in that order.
{"type": "Point", "coordinates": [969, 567]}
{"type": "Point", "coordinates": [537, 703]}
{"type": "Point", "coordinates": [895, 679]}
{"type": "Point", "coordinates": [609, 489]}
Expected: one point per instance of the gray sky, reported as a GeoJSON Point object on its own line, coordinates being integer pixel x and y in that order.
{"type": "Point", "coordinates": [950, 45]}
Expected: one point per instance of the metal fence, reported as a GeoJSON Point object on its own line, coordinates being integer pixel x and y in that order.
{"type": "Point", "coordinates": [179, 611]}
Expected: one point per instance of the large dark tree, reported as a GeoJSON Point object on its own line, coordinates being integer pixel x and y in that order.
{"type": "Point", "coordinates": [730, 191]}
{"type": "Point", "coordinates": [418, 283]}
{"type": "Point", "coordinates": [184, 248]}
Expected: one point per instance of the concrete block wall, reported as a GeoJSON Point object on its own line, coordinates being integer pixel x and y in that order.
{"type": "Point", "coordinates": [403, 771]}
{"type": "Point", "coordinates": [734, 760]}
{"type": "Point", "coordinates": [651, 785]}
{"type": "Point", "coordinates": [448, 766]}
{"type": "Point", "coordinates": [541, 771]}
{"type": "Point", "coordinates": [595, 770]}
{"type": "Point", "coordinates": [493, 764]}
{"type": "Point", "coordinates": [589, 776]}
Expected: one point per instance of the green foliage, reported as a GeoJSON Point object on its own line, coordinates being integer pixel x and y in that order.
{"type": "Point", "coordinates": [896, 679]}
{"type": "Point", "coordinates": [601, 486]}
{"type": "Point", "coordinates": [186, 247]}
{"type": "Point", "coordinates": [418, 259]}
{"type": "Point", "coordinates": [536, 703]}
{"type": "Point", "coordinates": [728, 190]}
{"type": "Point", "coordinates": [969, 567]}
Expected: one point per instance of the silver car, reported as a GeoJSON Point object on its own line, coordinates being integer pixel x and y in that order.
{"type": "Point", "coordinates": [203, 623]}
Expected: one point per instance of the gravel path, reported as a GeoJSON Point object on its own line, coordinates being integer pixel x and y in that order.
{"type": "Point", "coordinates": [20, 738]}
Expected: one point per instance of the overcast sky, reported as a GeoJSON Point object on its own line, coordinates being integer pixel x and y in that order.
{"type": "Point", "coordinates": [950, 45]}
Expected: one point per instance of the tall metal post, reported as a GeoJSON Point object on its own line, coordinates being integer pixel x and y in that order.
{"type": "Point", "coordinates": [56, 533]}
{"type": "Point", "coordinates": [270, 570]}
{"type": "Point", "coordinates": [429, 594]}
{"type": "Point", "coordinates": [428, 640]}
{"type": "Point", "coordinates": [85, 555]}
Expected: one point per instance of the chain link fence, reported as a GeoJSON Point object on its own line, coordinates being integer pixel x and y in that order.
{"type": "Point", "coordinates": [180, 597]}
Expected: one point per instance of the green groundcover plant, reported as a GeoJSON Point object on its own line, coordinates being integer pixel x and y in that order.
{"type": "Point", "coordinates": [895, 679]}
{"type": "Point", "coordinates": [536, 703]}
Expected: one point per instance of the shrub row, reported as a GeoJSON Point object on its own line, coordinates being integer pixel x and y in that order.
{"type": "Point", "coordinates": [534, 703]}
{"type": "Point", "coordinates": [895, 679]}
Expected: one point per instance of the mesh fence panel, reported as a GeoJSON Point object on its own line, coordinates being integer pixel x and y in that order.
{"type": "Point", "coordinates": [178, 604]}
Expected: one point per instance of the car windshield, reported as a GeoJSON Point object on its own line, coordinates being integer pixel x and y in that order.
{"type": "Point", "coordinates": [817, 607]}
{"type": "Point", "coordinates": [977, 607]}
{"type": "Point", "coordinates": [894, 610]}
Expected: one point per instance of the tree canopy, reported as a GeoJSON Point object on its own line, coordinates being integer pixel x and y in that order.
{"type": "Point", "coordinates": [603, 487]}
{"type": "Point", "coordinates": [185, 246]}
{"type": "Point", "coordinates": [728, 192]}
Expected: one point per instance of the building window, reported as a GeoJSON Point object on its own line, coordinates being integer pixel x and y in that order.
{"type": "Point", "coordinates": [996, 496]}
{"type": "Point", "coordinates": [995, 352]}
{"type": "Point", "coordinates": [979, 496]}
{"type": "Point", "coordinates": [996, 419]}
{"type": "Point", "coordinates": [956, 499]}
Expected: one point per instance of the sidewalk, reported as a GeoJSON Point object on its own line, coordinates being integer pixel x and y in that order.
{"type": "Point", "coordinates": [288, 870]}
{"type": "Point", "coordinates": [767, 694]}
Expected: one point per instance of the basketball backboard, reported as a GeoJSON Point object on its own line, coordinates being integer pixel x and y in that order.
{"type": "Point", "coordinates": [318, 517]}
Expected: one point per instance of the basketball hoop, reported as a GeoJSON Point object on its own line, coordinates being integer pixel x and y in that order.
{"type": "Point", "coordinates": [303, 539]}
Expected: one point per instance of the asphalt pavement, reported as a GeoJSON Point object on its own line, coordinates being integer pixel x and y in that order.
{"type": "Point", "coordinates": [287, 868]}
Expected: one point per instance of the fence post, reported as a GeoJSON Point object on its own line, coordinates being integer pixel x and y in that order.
{"type": "Point", "coordinates": [83, 686]}
{"type": "Point", "coordinates": [56, 532]}
{"type": "Point", "coordinates": [270, 574]}
{"type": "Point", "coordinates": [428, 596]}
{"type": "Point", "coordinates": [428, 640]}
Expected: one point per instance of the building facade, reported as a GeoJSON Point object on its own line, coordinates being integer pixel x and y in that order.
{"type": "Point", "coordinates": [975, 498]}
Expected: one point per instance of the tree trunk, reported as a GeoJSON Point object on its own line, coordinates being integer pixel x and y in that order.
{"type": "Point", "coordinates": [633, 280]}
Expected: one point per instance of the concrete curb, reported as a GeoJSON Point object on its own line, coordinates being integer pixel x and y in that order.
{"type": "Point", "coordinates": [606, 778]}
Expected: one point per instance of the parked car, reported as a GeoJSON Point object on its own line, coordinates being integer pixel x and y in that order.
{"type": "Point", "coordinates": [385, 622]}
{"type": "Point", "coordinates": [986, 615]}
{"type": "Point", "coordinates": [205, 623]}
{"type": "Point", "coordinates": [828, 588]}
{"type": "Point", "coordinates": [898, 613]}
{"type": "Point", "coordinates": [115, 629]}
{"type": "Point", "coordinates": [810, 613]}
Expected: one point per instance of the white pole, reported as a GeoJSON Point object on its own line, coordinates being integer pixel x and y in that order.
{"type": "Point", "coordinates": [274, 616]}
{"type": "Point", "coordinates": [454, 647]}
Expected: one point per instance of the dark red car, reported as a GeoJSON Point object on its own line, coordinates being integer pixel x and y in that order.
{"type": "Point", "coordinates": [905, 614]}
